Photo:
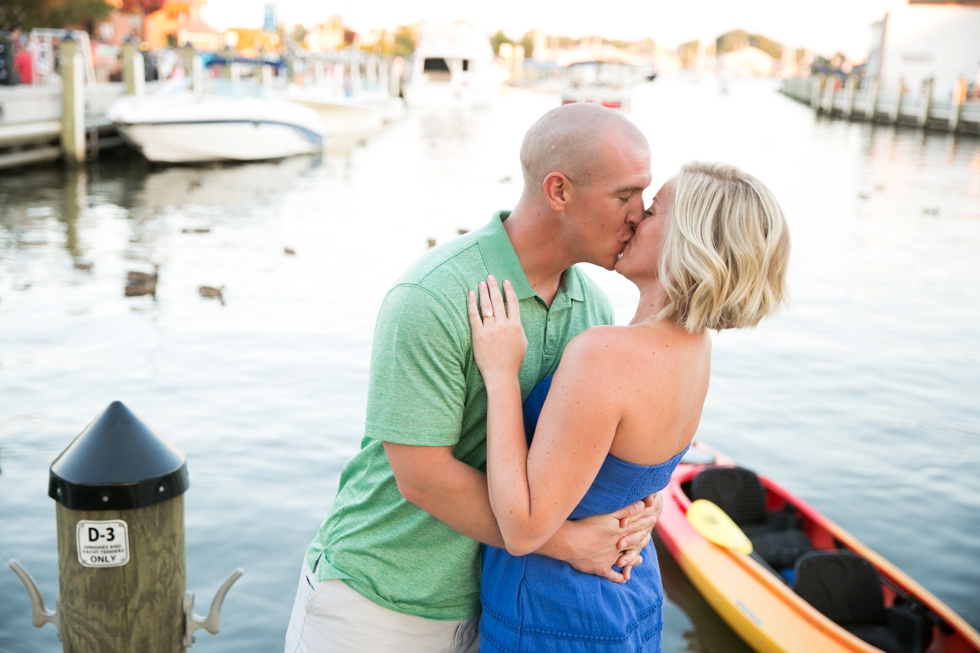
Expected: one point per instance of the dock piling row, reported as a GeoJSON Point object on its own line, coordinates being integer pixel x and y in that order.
{"type": "Point", "coordinates": [894, 106]}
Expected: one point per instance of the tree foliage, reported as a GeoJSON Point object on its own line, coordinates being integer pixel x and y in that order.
{"type": "Point", "coordinates": [498, 39]}
{"type": "Point", "coordinates": [141, 6]}
{"type": "Point", "coordinates": [298, 33]}
{"type": "Point", "coordinates": [739, 38]}
{"type": "Point", "coordinates": [404, 41]}
{"type": "Point", "coordinates": [28, 14]}
{"type": "Point", "coordinates": [528, 44]}
{"type": "Point", "coordinates": [688, 53]}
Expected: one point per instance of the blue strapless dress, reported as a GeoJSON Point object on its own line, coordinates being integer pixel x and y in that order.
{"type": "Point", "coordinates": [535, 604]}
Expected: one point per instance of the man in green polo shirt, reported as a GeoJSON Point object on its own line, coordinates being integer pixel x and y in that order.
{"type": "Point", "coordinates": [396, 564]}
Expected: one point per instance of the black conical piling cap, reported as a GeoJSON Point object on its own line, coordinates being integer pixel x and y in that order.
{"type": "Point", "coordinates": [117, 463]}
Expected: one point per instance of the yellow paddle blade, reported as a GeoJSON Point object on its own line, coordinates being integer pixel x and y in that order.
{"type": "Point", "coordinates": [717, 527]}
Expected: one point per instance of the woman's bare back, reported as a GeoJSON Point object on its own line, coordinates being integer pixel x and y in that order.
{"type": "Point", "coordinates": [657, 375]}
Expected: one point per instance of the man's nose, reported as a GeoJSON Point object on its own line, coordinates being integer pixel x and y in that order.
{"type": "Point", "coordinates": [636, 214]}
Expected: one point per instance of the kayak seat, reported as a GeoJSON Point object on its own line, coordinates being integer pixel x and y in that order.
{"type": "Point", "coordinates": [846, 588]}
{"type": "Point", "coordinates": [735, 490]}
{"type": "Point", "coordinates": [781, 549]}
{"type": "Point", "coordinates": [775, 535]}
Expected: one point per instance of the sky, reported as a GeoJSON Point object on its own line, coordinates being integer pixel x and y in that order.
{"type": "Point", "coordinates": [825, 27]}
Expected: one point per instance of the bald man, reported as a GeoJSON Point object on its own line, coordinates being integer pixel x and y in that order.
{"type": "Point", "coordinates": [396, 564]}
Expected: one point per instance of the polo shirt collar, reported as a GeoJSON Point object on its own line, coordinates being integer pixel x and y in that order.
{"type": "Point", "coordinates": [496, 243]}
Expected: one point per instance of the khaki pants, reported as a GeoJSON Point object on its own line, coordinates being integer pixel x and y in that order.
{"type": "Point", "coordinates": [329, 617]}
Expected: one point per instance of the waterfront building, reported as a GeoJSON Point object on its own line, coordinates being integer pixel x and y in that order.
{"type": "Point", "coordinates": [328, 36]}
{"type": "Point", "coordinates": [922, 39]}
{"type": "Point", "coordinates": [176, 23]}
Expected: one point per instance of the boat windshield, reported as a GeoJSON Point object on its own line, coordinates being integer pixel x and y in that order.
{"type": "Point", "coordinates": [228, 88]}
{"type": "Point", "coordinates": [174, 87]}
{"type": "Point", "coordinates": [221, 87]}
{"type": "Point", "coordinates": [598, 73]}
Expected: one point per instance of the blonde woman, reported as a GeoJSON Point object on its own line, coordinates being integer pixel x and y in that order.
{"type": "Point", "coordinates": [621, 409]}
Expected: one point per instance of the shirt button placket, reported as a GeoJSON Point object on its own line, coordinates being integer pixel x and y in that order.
{"type": "Point", "coordinates": [550, 346]}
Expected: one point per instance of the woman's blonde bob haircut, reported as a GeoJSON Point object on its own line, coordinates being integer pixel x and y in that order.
{"type": "Point", "coordinates": [725, 250]}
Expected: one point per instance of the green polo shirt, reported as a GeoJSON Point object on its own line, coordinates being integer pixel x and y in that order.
{"type": "Point", "coordinates": [425, 389]}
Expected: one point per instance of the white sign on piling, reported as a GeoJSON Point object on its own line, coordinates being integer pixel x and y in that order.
{"type": "Point", "coordinates": [102, 543]}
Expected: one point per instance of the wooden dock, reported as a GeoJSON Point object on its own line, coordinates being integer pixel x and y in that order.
{"type": "Point", "coordinates": [31, 122]}
{"type": "Point", "coordinates": [65, 117]}
{"type": "Point", "coordinates": [878, 103]}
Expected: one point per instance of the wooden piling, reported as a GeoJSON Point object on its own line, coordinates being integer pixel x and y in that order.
{"type": "Point", "coordinates": [72, 101]}
{"type": "Point", "coordinates": [871, 107]}
{"type": "Point", "coordinates": [816, 91]}
{"type": "Point", "coordinates": [830, 93]}
{"type": "Point", "coordinates": [926, 108]}
{"type": "Point", "coordinates": [134, 71]}
{"type": "Point", "coordinates": [956, 106]}
{"type": "Point", "coordinates": [371, 71]}
{"type": "Point", "coordinates": [134, 608]}
{"type": "Point", "coordinates": [118, 489]}
{"type": "Point", "coordinates": [896, 110]}
{"type": "Point", "coordinates": [228, 55]}
{"type": "Point", "coordinates": [384, 82]}
{"type": "Point", "coordinates": [355, 77]}
{"type": "Point", "coordinates": [395, 78]}
{"type": "Point", "coordinates": [850, 90]}
{"type": "Point", "coordinates": [120, 512]}
{"type": "Point", "coordinates": [187, 55]}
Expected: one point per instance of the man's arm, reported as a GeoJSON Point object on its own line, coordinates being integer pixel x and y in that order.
{"type": "Point", "coordinates": [456, 494]}
{"type": "Point", "coordinates": [415, 406]}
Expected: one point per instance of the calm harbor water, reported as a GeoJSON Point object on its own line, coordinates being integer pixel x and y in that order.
{"type": "Point", "coordinates": [863, 397]}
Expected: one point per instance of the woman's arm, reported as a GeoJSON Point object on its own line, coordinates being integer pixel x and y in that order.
{"type": "Point", "coordinates": [533, 492]}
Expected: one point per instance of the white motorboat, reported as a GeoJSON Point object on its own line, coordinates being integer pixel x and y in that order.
{"type": "Point", "coordinates": [343, 118]}
{"type": "Point", "coordinates": [609, 83]}
{"type": "Point", "coordinates": [232, 121]}
{"type": "Point", "coordinates": [453, 68]}
{"type": "Point", "coordinates": [350, 92]}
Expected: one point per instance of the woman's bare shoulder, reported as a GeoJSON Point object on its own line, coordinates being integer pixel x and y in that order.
{"type": "Point", "coordinates": [598, 340]}
{"type": "Point", "coordinates": [613, 349]}
{"type": "Point", "coordinates": [601, 351]}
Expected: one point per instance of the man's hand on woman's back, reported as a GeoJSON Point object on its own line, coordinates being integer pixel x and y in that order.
{"type": "Point", "coordinates": [595, 544]}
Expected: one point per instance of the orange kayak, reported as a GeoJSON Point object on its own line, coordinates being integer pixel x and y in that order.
{"type": "Point", "coordinates": [809, 586]}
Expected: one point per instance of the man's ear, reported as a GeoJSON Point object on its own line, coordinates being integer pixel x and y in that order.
{"type": "Point", "coordinates": [557, 191]}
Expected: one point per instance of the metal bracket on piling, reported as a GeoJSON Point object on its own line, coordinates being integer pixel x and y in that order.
{"type": "Point", "coordinates": [40, 614]}
{"type": "Point", "coordinates": [194, 621]}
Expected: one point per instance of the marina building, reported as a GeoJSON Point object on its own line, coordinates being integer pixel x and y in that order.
{"type": "Point", "coordinates": [918, 40]}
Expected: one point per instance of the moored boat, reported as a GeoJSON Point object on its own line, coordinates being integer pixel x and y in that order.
{"type": "Point", "coordinates": [351, 92]}
{"type": "Point", "coordinates": [343, 119]}
{"type": "Point", "coordinates": [809, 586]}
{"type": "Point", "coordinates": [237, 122]}
{"type": "Point", "coordinates": [453, 68]}
{"type": "Point", "coordinates": [609, 83]}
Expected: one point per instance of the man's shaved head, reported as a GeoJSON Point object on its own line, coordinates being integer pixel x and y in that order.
{"type": "Point", "coordinates": [569, 140]}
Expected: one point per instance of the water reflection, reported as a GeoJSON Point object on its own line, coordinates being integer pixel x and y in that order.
{"type": "Point", "coordinates": [222, 185]}
{"type": "Point", "coordinates": [76, 201]}
{"type": "Point", "coordinates": [705, 631]}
